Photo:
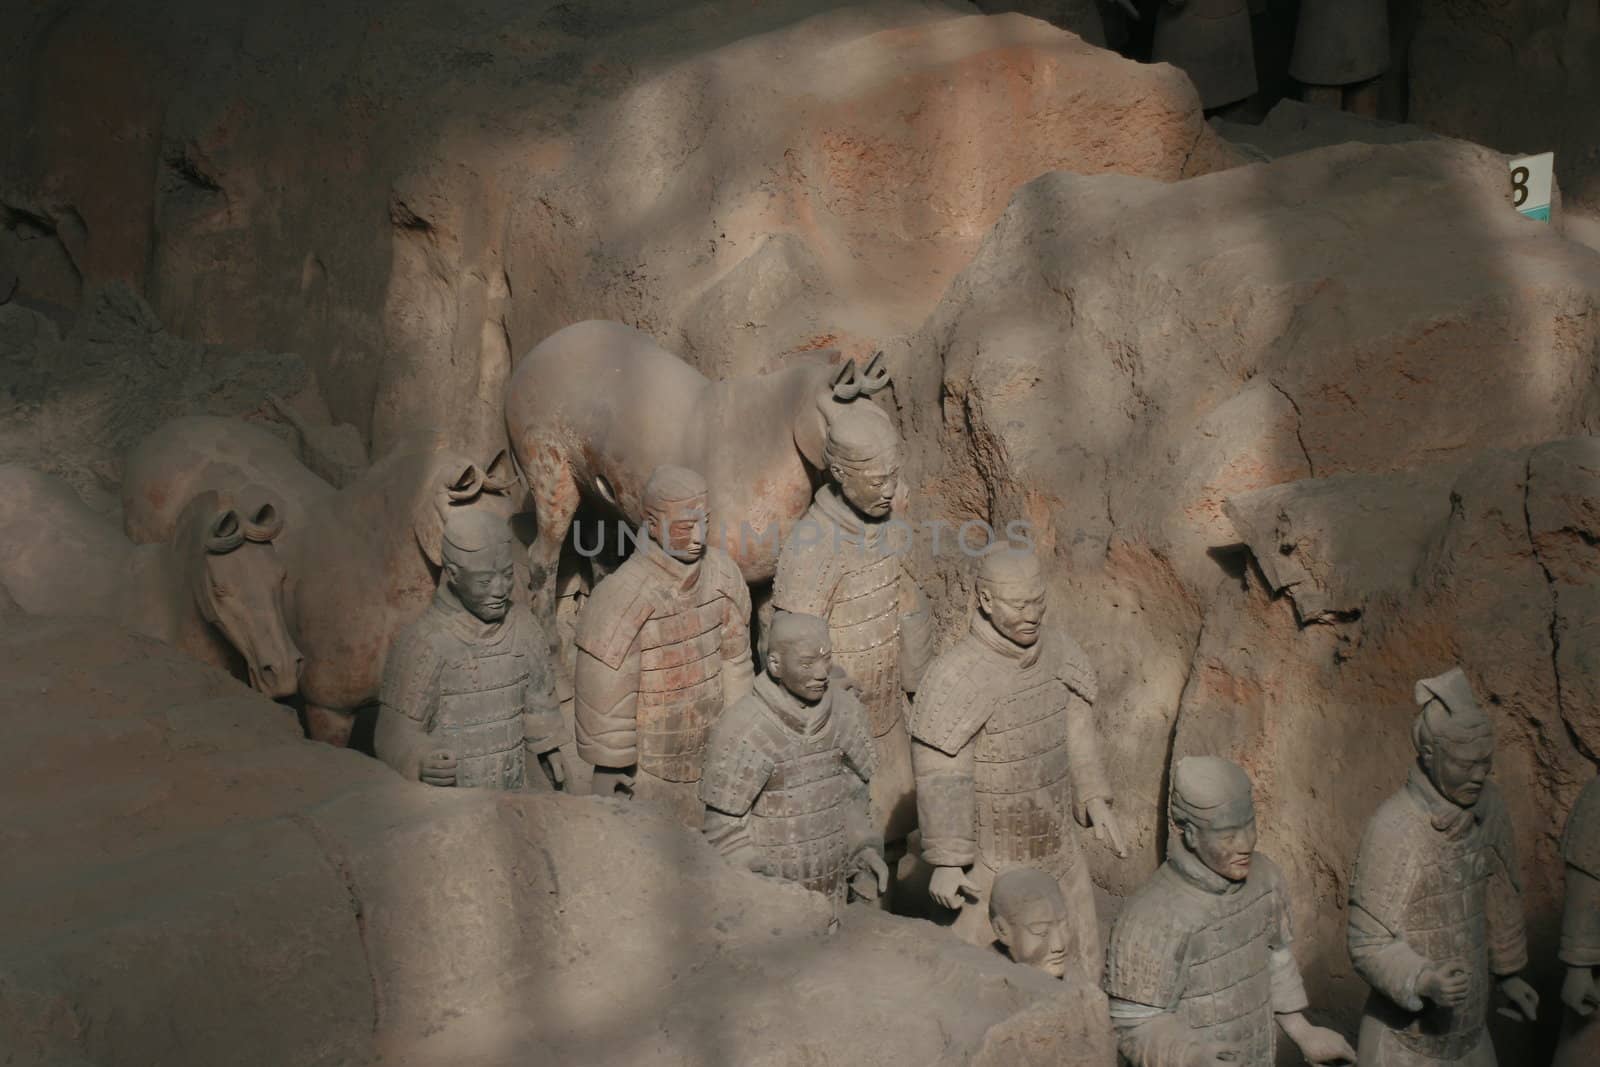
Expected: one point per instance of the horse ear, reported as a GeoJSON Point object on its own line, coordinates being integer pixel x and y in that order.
{"type": "Point", "coordinates": [844, 382]}
{"type": "Point", "coordinates": [467, 484]}
{"type": "Point", "coordinates": [500, 474]}
{"type": "Point", "coordinates": [225, 532]}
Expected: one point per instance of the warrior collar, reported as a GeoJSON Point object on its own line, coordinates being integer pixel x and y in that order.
{"type": "Point", "coordinates": [1444, 815]}
{"type": "Point", "coordinates": [806, 720]}
{"type": "Point", "coordinates": [1193, 870]}
{"type": "Point", "coordinates": [465, 624]}
{"type": "Point", "coordinates": [997, 642]}
{"type": "Point", "coordinates": [683, 576]}
{"type": "Point", "coordinates": [837, 510]}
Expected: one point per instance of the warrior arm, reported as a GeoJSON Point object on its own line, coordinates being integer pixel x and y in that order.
{"type": "Point", "coordinates": [1383, 958]}
{"type": "Point", "coordinates": [946, 804]}
{"type": "Point", "coordinates": [1083, 753]}
{"type": "Point", "coordinates": [1151, 1037]}
{"type": "Point", "coordinates": [1508, 935]}
{"type": "Point", "coordinates": [1288, 989]}
{"type": "Point", "coordinates": [738, 669]}
{"type": "Point", "coordinates": [542, 726]}
{"type": "Point", "coordinates": [730, 835]}
{"type": "Point", "coordinates": [1580, 920]}
{"type": "Point", "coordinates": [917, 637]}
{"type": "Point", "coordinates": [606, 709]}
{"type": "Point", "coordinates": [408, 700]}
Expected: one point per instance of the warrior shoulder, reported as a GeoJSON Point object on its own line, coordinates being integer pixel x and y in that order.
{"type": "Point", "coordinates": [416, 656]}
{"type": "Point", "coordinates": [950, 705]}
{"type": "Point", "coordinates": [807, 571]}
{"type": "Point", "coordinates": [1070, 664]}
{"type": "Point", "coordinates": [726, 576]}
{"type": "Point", "coordinates": [1389, 847]}
{"type": "Point", "coordinates": [738, 758]}
{"type": "Point", "coordinates": [614, 614]}
{"type": "Point", "coordinates": [1144, 959]}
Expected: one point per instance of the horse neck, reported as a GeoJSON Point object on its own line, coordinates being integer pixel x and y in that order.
{"type": "Point", "coordinates": [767, 400]}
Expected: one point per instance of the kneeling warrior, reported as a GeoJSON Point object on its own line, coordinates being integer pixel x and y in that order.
{"type": "Point", "coordinates": [1200, 972]}
{"type": "Point", "coordinates": [1434, 905]}
{"type": "Point", "coordinates": [787, 768]}
{"type": "Point", "coordinates": [468, 695]}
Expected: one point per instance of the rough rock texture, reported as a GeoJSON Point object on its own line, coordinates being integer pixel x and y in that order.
{"type": "Point", "coordinates": [204, 887]}
{"type": "Point", "coordinates": [1294, 127]}
{"type": "Point", "coordinates": [412, 193]}
{"type": "Point", "coordinates": [1521, 75]}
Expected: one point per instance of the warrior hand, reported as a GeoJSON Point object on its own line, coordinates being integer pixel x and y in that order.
{"type": "Point", "coordinates": [611, 781]}
{"type": "Point", "coordinates": [949, 884]}
{"type": "Point", "coordinates": [1578, 992]}
{"type": "Point", "coordinates": [439, 768]}
{"type": "Point", "coordinates": [1321, 1045]}
{"type": "Point", "coordinates": [555, 768]}
{"type": "Point", "coordinates": [1522, 995]}
{"type": "Point", "coordinates": [1105, 826]}
{"type": "Point", "coordinates": [1213, 1054]}
{"type": "Point", "coordinates": [868, 860]}
{"type": "Point", "coordinates": [1447, 985]}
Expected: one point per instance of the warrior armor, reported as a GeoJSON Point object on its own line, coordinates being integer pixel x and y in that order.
{"type": "Point", "coordinates": [481, 691]}
{"type": "Point", "coordinates": [1340, 42]}
{"type": "Point", "coordinates": [785, 782]}
{"type": "Point", "coordinates": [1195, 959]}
{"type": "Point", "coordinates": [1210, 41]}
{"type": "Point", "coordinates": [1580, 925]}
{"type": "Point", "coordinates": [663, 646]}
{"type": "Point", "coordinates": [1434, 883]}
{"type": "Point", "coordinates": [841, 569]}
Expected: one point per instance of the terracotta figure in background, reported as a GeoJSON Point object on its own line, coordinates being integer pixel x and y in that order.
{"type": "Point", "coordinates": [841, 564]}
{"type": "Point", "coordinates": [1209, 40]}
{"type": "Point", "coordinates": [787, 768]}
{"type": "Point", "coordinates": [1200, 970]}
{"type": "Point", "coordinates": [663, 646]}
{"type": "Point", "coordinates": [1030, 920]}
{"type": "Point", "coordinates": [1006, 755]}
{"type": "Point", "coordinates": [1341, 48]}
{"type": "Point", "coordinates": [1435, 909]}
{"type": "Point", "coordinates": [1580, 933]}
{"type": "Point", "coordinates": [468, 696]}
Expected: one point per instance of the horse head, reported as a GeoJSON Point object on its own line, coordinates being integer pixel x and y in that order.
{"type": "Point", "coordinates": [237, 581]}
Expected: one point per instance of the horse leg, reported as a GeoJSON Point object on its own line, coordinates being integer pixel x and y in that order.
{"type": "Point", "coordinates": [329, 725]}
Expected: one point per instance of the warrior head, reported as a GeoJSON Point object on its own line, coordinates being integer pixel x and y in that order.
{"type": "Point", "coordinates": [1454, 739]}
{"type": "Point", "coordinates": [862, 453]}
{"type": "Point", "coordinates": [1213, 809]}
{"type": "Point", "coordinates": [1030, 919]}
{"type": "Point", "coordinates": [476, 555]}
{"type": "Point", "coordinates": [800, 655]}
{"type": "Point", "coordinates": [1011, 592]}
{"type": "Point", "coordinates": [675, 512]}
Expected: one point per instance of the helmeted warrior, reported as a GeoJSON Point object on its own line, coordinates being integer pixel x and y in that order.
{"type": "Point", "coordinates": [1580, 933]}
{"type": "Point", "coordinates": [1340, 48]}
{"type": "Point", "coordinates": [663, 646]}
{"type": "Point", "coordinates": [468, 694]}
{"type": "Point", "coordinates": [1434, 904]}
{"type": "Point", "coordinates": [1200, 971]}
{"type": "Point", "coordinates": [787, 767]}
{"type": "Point", "coordinates": [839, 563]}
{"type": "Point", "coordinates": [1030, 919]}
{"type": "Point", "coordinates": [1006, 754]}
{"type": "Point", "coordinates": [1210, 41]}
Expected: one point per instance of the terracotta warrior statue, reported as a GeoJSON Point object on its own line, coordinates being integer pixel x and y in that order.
{"type": "Point", "coordinates": [787, 767]}
{"type": "Point", "coordinates": [1030, 920]}
{"type": "Point", "coordinates": [839, 564]}
{"type": "Point", "coordinates": [1006, 755]}
{"type": "Point", "coordinates": [1209, 40]}
{"type": "Point", "coordinates": [468, 693]}
{"type": "Point", "coordinates": [1435, 912]}
{"type": "Point", "coordinates": [1341, 47]}
{"type": "Point", "coordinates": [663, 646]}
{"type": "Point", "coordinates": [1580, 933]}
{"type": "Point", "coordinates": [1200, 971]}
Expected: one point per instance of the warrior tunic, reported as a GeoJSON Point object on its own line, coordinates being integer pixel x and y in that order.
{"type": "Point", "coordinates": [1006, 753]}
{"type": "Point", "coordinates": [1210, 41]}
{"type": "Point", "coordinates": [1196, 959]}
{"type": "Point", "coordinates": [1434, 883]}
{"type": "Point", "coordinates": [663, 647]}
{"type": "Point", "coordinates": [1340, 42]}
{"type": "Point", "coordinates": [784, 785]}
{"type": "Point", "coordinates": [843, 569]}
{"type": "Point", "coordinates": [1580, 925]}
{"type": "Point", "coordinates": [485, 692]}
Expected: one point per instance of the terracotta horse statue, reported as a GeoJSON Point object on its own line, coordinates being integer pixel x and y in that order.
{"type": "Point", "coordinates": [595, 407]}
{"type": "Point", "coordinates": [363, 561]}
{"type": "Point", "coordinates": [213, 588]}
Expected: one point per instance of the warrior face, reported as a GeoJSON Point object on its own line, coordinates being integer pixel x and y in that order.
{"type": "Point", "coordinates": [1034, 931]}
{"type": "Point", "coordinates": [1011, 594]}
{"type": "Point", "coordinates": [870, 485]}
{"type": "Point", "coordinates": [481, 580]}
{"type": "Point", "coordinates": [679, 528]}
{"type": "Point", "coordinates": [1458, 769]}
{"type": "Point", "coordinates": [801, 657]}
{"type": "Point", "coordinates": [1226, 845]}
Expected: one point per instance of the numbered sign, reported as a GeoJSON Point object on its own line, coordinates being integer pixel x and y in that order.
{"type": "Point", "coordinates": [1531, 180]}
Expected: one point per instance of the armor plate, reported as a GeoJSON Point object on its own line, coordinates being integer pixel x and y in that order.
{"type": "Point", "coordinates": [1022, 780]}
{"type": "Point", "coordinates": [481, 695]}
{"type": "Point", "coordinates": [680, 686]}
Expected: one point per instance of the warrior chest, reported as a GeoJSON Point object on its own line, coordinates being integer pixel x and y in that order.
{"type": "Point", "coordinates": [1447, 897]}
{"type": "Point", "coordinates": [1029, 719]}
{"type": "Point", "coordinates": [1227, 987]}
{"type": "Point", "coordinates": [482, 684]}
{"type": "Point", "coordinates": [681, 643]}
{"type": "Point", "coordinates": [866, 599]}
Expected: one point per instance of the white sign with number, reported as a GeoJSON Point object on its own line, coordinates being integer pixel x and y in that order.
{"type": "Point", "coordinates": [1532, 178]}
